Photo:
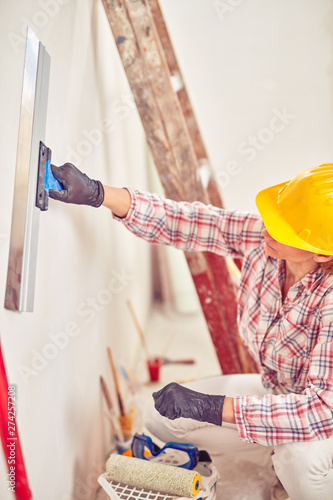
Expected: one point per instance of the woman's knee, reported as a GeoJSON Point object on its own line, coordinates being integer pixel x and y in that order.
{"type": "Point", "coordinates": [289, 458]}
{"type": "Point", "coordinates": [304, 467]}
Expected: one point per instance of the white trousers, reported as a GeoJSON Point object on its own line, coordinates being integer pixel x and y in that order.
{"type": "Point", "coordinates": [305, 469]}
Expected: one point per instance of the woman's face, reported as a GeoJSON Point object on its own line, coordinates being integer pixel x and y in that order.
{"type": "Point", "coordinates": [281, 251]}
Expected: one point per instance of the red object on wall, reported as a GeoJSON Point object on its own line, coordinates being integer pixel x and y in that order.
{"type": "Point", "coordinates": [17, 480]}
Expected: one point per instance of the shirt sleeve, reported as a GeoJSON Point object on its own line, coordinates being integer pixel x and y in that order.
{"type": "Point", "coordinates": [284, 418]}
{"type": "Point", "coordinates": [192, 226]}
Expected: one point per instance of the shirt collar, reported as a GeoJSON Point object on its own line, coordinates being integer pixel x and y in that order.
{"type": "Point", "coordinates": [308, 281]}
{"type": "Point", "coordinates": [314, 277]}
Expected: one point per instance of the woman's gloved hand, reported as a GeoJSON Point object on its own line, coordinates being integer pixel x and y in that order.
{"type": "Point", "coordinates": [174, 401]}
{"type": "Point", "coordinates": [78, 188]}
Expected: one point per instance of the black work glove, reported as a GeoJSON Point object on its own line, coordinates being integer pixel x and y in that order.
{"type": "Point", "coordinates": [78, 188]}
{"type": "Point", "coordinates": [174, 401]}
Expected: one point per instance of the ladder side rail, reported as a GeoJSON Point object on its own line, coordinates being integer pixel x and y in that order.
{"type": "Point", "coordinates": [153, 124]}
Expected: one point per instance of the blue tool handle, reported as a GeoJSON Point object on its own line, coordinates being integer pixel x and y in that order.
{"type": "Point", "coordinates": [50, 182]}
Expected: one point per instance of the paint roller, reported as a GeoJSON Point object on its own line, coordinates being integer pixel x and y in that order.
{"type": "Point", "coordinates": [153, 475]}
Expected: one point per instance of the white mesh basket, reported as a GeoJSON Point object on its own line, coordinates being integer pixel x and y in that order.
{"type": "Point", "coordinates": [120, 491]}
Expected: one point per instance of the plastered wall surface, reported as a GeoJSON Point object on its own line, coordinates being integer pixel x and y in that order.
{"type": "Point", "coordinates": [87, 264]}
{"type": "Point", "coordinates": [259, 73]}
{"type": "Point", "coordinates": [260, 78]}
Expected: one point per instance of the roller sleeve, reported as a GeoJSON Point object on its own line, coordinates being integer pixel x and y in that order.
{"type": "Point", "coordinates": [154, 476]}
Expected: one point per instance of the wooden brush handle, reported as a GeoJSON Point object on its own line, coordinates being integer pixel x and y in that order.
{"type": "Point", "coordinates": [121, 406]}
{"type": "Point", "coordinates": [139, 329]}
{"type": "Point", "coordinates": [106, 393]}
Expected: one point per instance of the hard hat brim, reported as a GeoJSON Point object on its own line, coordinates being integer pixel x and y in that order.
{"type": "Point", "coordinates": [275, 223]}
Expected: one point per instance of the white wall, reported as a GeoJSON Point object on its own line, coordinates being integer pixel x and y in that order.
{"type": "Point", "coordinates": [81, 250]}
{"type": "Point", "coordinates": [244, 62]}
{"type": "Point", "coordinates": [243, 59]}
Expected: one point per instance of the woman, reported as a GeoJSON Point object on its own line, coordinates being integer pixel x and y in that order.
{"type": "Point", "coordinates": [285, 317]}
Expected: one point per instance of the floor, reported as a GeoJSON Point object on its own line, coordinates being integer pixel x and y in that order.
{"type": "Point", "coordinates": [185, 336]}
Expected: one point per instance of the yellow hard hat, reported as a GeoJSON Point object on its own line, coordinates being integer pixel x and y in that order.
{"type": "Point", "coordinates": [299, 212]}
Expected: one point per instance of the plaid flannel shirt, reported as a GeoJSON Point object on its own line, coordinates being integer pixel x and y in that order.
{"type": "Point", "coordinates": [291, 340]}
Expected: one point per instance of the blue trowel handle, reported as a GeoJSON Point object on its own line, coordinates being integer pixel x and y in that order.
{"type": "Point", "coordinates": [45, 178]}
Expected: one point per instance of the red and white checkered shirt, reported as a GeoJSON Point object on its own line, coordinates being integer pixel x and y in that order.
{"type": "Point", "coordinates": [291, 340]}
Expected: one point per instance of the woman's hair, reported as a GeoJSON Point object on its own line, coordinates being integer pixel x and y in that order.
{"type": "Point", "coordinates": [327, 267]}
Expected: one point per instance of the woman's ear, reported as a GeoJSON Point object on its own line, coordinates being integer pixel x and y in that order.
{"type": "Point", "coordinates": [322, 258]}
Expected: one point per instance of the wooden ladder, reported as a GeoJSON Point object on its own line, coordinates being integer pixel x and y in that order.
{"type": "Point", "coordinates": [179, 155]}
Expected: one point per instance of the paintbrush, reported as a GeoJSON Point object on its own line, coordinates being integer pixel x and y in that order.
{"type": "Point", "coordinates": [106, 393]}
{"type": "Point", "coordinates": [115, 378]}
{"type": "Point", "coordinates": [128, 379]}
{"type": "Point", "coordinates": [111, 415]}
{"type": "Point", "coordinates": [139, 329]}
{"type": "Point", "coordinates": [168, 361]}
